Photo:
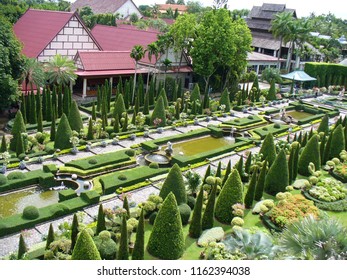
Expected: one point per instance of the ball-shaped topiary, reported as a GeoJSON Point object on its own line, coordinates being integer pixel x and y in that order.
{"type": "Point", "coordinates": [185, 212]}
{"type": "Point", "coordinates": [130, 153]}
{"type": "Point", "coordinates": [166, 240]}
{"type": "Point", "coordinates": [30, 213]}
{"type": "Point", "coordinates": [85, 248]}
{"type": "Point", "coordinates": [174, 183]}
{"type": "Point", "coordinates": [93, 161]}
{"type": "Point", "coordinates": [122, 177]}
{"type": "Point", "coordinates": [231, 193]}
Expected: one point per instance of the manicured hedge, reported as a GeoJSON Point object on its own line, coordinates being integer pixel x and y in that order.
{"type": "Point", "coordinates": [277, 110]}
{"type": "Point", "coordinates": [37, 177]}
{"type": "Point", "coordinates": [66, 194]}
{"type": "Point", "coordinates": [216, 131]}
{"type": "Point", "coordinates": [153, 145]}
{"type": "Point", "coordinates": [241, 122]}
{"type": "Point", "coordinates": [310, 119]}
{"type": "Point", "coordinates": [182, 160]}
{"type": "Point", "coordinates": [99, 160]}
{"type": "Point", "coordinates": [92, 197]}
{"type": "Point", "coordinates": [112, 182]}
{"type": "Point", "coordinates": [265, 130]}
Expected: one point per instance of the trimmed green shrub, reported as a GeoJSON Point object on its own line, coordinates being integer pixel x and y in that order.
{"type": "Point", "coordinates": [130, 153]}
{"type": "Point", "coordinates": [90, 133]}
{"type": "Point", "coordinates": [326, 155]}
{"type": "Point", "coordinates": [195, 95]}
{"type": "Point", "coordinates": [52, 168]}
{"type": "Point", "coordinates": [22, 248]}
{"type": "Point", "coordinates": [310, 153]}
{"type": "Point", "coordinates": [154, 165]}
{"type": "Point", "coordinates": [119, 107]}
{"type": "Point", "coordinates": [152, 218]}
{"type": "Point", "coordinates": [174, 183]}
{"type": "Point", "coordinates": [195, 228]}
{"type": "Point", "coordinates": [20, 145]}
{"type": "Point", "coordinates": [17, 129]}
{"type": "Point", "coordinates": [249, 197]}
{"type": "Point", "coordinates": [16, 175]}
{"type": "Point", "coordinates": [63, 135]}
{"type": "Point", "coordinates": [126, 206]}
{"type": "Point", "coordinates": [337, 142]}
{"type": "Point", "coordinates": [50, 236]}
{"type": "Point", "coordinates": [3, 179]}
{"type": "Point", "coordinates": [85, 248]}
{"type": "Point", "coordinates": [225, 100]}
{"type": "Point", "coordinates": [105, 245]}
{"type": "Point", "coordinates": [123, 251]}
{"type": "Point", "coordinates": [91, 197]}
{"type": "Point", "coordinates": [139, 247]}
{"type": "Point", "coordinates": [268, 149]}
{"type": "Point", "coordinates": [259, 188]}
{"type": "Point", "coordinates": [185, 212]}
{"type": "Point", "coordinates": [231, 193]}
{"type": "Point", "coordinates": [166, 240]}
{"type": "Point", "coordinates": [101, 225]}
{"type": "Point", "coordinates": [164, 96]}
{"type": "Point", "coordinates": [277, 179]}
{"type": "Point", "coordinates": [74, 231]}
{"type": "Point", "coordinates": [159, 113]}
{"type": "Point", "coordinates": [66, 194]}
{"type": "Point", "coordinates": [208, 216]}
{"type": "Point", "coordinates": [122, 177]}
{"type": "Point", "coordinates": [272, 91]}
{"type": "Point", "coordinates": [30, 213]}
{"type": "Point", "coordinates": [191, 201]}
{"type": "Point", "coordinates": [3, 147]}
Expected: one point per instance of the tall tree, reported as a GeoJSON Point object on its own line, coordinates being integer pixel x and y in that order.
{"type": "Point", "coordinates": [32, 74]}
{"type": "Point", "coordinates": [137, 53]}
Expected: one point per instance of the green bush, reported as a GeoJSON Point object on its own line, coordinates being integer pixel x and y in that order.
{"type": "Point", "coordinates": [85, 248]}
{"type": "Point", "coordinates": [91, 197]}
{"type": "Point", "coordinates": [185, 212]}
{"type": "Point", "coordinates": [154, 165]}
{"type": "Point", "coordinates": [122, 177]}
{"type": "Point", "coordinates": [3, 180]}
{"type": "Point", "coordinates": [337, 142]}
{"type": "Point", "coordinates": [16, 175]}
{"type": "Point", "coordinates": [159, 113]}
{"type": "Point", "coordinates": [166, 240]}
{"type": "Point", "coordinates": [224, 100]}
{"type": "Point", "coordinates": [52, 168]}
{"type": "Point", "coordinates": [66, 194]}
{"type": "Point", "coordinates": [191, 201]}
{"type": "Point", "coordinates": [231, 193]}
{"type": "Point", "coordinates": [30, 213]}
{"type": "Point", "coordinates": [63, 135]}
{"type": "Point", "coordinates": [277, 179]}
{"type": "Point", "coordinates": [310, 153]}
{"type": "Point", "coordinates": [75, 119]}
{"type": "Point", "coordinates": [130, 153]}
{"type": "Point", "coordinates": [58, 209]}
{"type": "Point", "coordinates": [277, 125]}
{"type": "Point", "coordinates": [93, 161]}
{"type": "Point", "coordinates": [152, 218]}
{"type": "Point", "coordinates": [174, 183]}
{"type": "Point", "coordinates": [268, 149]}
{"type": "Point", "coordinates": [106, 246]}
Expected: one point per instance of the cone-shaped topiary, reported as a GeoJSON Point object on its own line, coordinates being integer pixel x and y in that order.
{"type": "Point", "coordinates": [50, 236]}
{"type": "Point", "coordinates": [249, 197]}
{"type": "Point", "coordinates": [272, 91]}
{"type": "Point", "coordinates": [100, 226]}
{"type": "Point", "coordinates": [18, 127]}
{"type": "Point", "coordinates": [53, 130]}
{"type": "Point", "coordinates": [322, 143]}
{"type": "Point", "coordinates": [20, 145]}
{"type": "Point", "coordinates": [139, 247]}
{"type": "Point", "coordinates": [166, 240]}
{"type": "Point", "coordinates": [337, 142]}
{"type": "Point", "coordinates": [146, 105]}
{"type": "Point", "coordinates": [311, 153]}
{"type": "Point", "coordinates": [195, 227]}
{"type": "Point", "coordinates": [207, 173]}
{"type": "Point", "coordinates": [225, 100]}
{"type": "Point", "coordinates": [33, 109]}
{"type": "Point", "coordinates": [259, 188]}
{"type": "Point", "coordinates": [3, 147]}
{"type": "Point", "coordinates": [66, 104]}
{"type": "Point", "coordinates": [195, 95]}
{"type": "Point", "coordinates": [75, 119]}
{"type": "Point", "coordinates": [174, 183]}
{"type": "Point", "coordinates": [268, 149]}
{"type": "Point", "coordinates": [116, 126]}
{"type": "Point", "coordinates": [291, 164]}
{"type": "Point", "coordinates": [219, 170]}
{"type": "Point", "coordinates": [159, 113]}
{"type": "Point", "coordinates": [231, 193]}
{"type": "Point", "coordinates": [90, 134]}
{"type": "Point", "coordinates": [277, 179]}
{"type": "Point", "coordinates": [296, 159]}
{"type": "Point", "coordinates": [39, 114]}
{"type": "Point", "coordinates": [304, 140]}
{"type": "Point", "coordinates": [151, 92]}
{"type": "Point", "coordinates": [227, 172]}
{"type": "Point", "coordinates": [162, 94]}
{"type": "Point", "coordinates": [93, 112]}
{"type": "Point", "coordinates": [208, 216]}
{"type": "Point", "coordinates": [74, 231]}
{"type": "Point", "coordinates": [125, 123]}
{"type": "Point", "coordinates": [326, 155]}
{"type": "Point", "coordinates": [63, 135]}
{"type": "Point", "coordinates": [248, 163]}
{"type": "Point", "coordinates": [85, 248]}
{"type": "Point", "coordinates": [123, 251]}
{"type": "Point", "coordinates": [126, 206]}
{"type": "Point", "coordinates": [22, 248]}
{"type": "Point", "coordinates": [60, 101]}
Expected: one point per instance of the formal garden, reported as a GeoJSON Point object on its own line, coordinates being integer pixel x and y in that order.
{"type": "Point", "coordinates": [230, 179]}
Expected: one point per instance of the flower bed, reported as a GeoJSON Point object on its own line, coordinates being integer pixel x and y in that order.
{"type": "Point", "coordinates": [328, 190]}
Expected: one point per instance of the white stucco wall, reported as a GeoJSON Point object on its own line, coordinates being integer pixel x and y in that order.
{"type": "Point", "coordinates": [127, 9]}
{"type": "Point", "coordinates": [174, 58]}
{"type": "Point", "coordinates": [70, 39]}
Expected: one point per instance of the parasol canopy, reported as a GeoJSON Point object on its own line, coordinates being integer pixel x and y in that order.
{"type": "Point", "coordinates": [299, 76]}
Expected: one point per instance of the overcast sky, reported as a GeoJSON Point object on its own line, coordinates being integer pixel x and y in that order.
{"type": "Point", "coordinates": [303, 7]}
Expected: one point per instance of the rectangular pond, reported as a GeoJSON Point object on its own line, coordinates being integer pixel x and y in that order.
{"type": "Point", "coordinates": [198, 145]}
{"type": "Point", "coordinates": [14, 202]}
{"type": "Point", "coordinates": [298, 115]}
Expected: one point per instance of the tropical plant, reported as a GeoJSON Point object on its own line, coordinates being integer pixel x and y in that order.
{"type": "Point", "coordinates": [137, 53]}
{"type": "Point", "coordinates": [60, 70]}
{"type": "Point", "coordinates": [32, 74]}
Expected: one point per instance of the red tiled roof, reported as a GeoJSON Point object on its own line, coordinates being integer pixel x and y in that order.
{"type": "Point", "coordinates": [37, 28]}
{"type": "Point", "coordinates": [260, 57]}
{"type": "Point", "coordinates": [108, 73]}
{"type": "Point", "coordinates": [99, 6]}
{"type": "Point", "coordinates": [113, 38]}
{"type": "Point", "coordinates": [180, 8]}
{"type": "Point", "coordinates": [106, 60]}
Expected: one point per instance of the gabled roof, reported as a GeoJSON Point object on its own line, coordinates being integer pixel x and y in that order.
{"type": "Point", "coordinates": [99, 6]}
{"type": "Point", "coordinates": [113, 38]}
{"type": "Point", "coordinates": [37, 28]}
{"type": "Point", "coordinates": [105, 60]}
{"type": "Point", "coordinates": [260, 57]}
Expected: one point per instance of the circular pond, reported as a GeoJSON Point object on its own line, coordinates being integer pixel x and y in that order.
{"type": "Point", "coordinates": [157, 158]}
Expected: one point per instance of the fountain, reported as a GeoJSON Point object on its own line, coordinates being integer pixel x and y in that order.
{"type": "Point", "coordinates": [169, 149]}
{"type": "Point", "coordinates": [157, 158]}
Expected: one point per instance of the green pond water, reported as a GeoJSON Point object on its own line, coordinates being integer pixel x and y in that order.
{"type": "Point", "coordinates": [298, 115]}
{"type": "Point", "coordinates": [15, 202]}
{"type": "Point", "coordinates": [199, 145]}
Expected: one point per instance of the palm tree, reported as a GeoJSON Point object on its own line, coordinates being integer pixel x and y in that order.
{"type": "Point", "coordinates": [280, 29]}
{"type": "Point", "coordinates": [60, 70]}
{"type": "Point", "coordinates": [137, 53]}
{"type": "Point", "coordinates": [153, 49]}
{"type": "Point", "coordinates": [32, 74]}
{"type": "Point", "coordinates": [167, 62]}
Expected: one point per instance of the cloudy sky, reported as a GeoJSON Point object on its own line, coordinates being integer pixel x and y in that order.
{"type": "Point", "coordinates": [303, 7]}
